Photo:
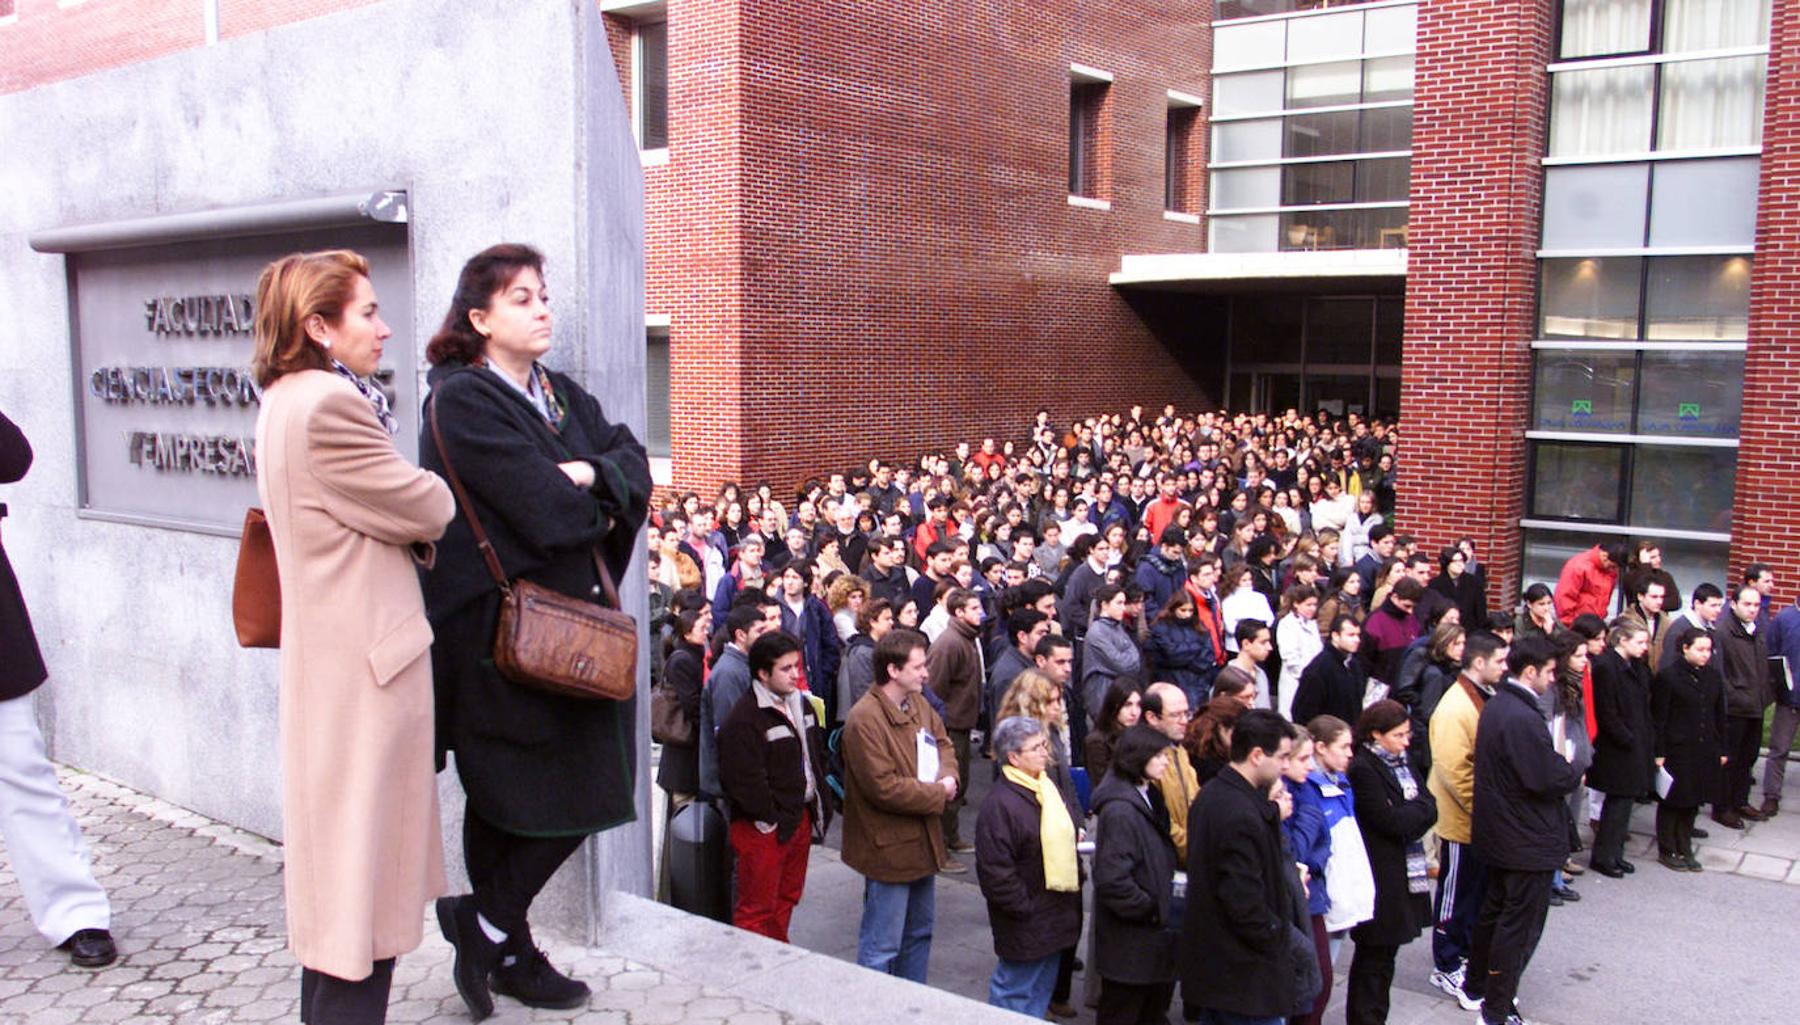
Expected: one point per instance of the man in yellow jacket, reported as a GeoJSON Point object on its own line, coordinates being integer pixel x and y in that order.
{"type": "Point", "coordinates": [1461, 876]}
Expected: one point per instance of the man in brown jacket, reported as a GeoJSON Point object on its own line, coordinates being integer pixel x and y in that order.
{"type": "Point", "coordinates": [893, 807]}
{"type": "Point", "coordinates": [956, 672]}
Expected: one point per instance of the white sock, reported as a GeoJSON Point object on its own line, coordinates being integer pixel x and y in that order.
{"type": "Point", "coordinates": [493, 932]}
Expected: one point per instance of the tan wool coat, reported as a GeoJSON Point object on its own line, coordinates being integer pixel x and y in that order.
{"type": "Point", "coordinates": [349, 515]}
{"type": "Point", "coordinates": [893, 823]}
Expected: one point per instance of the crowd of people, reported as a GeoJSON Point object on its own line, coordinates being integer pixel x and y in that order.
{"type": "Point", "coordinates": [1218, 689]}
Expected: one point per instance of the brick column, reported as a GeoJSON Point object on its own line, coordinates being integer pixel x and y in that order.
{"type": "Point", "coordinates": [1480, 117]}
{"type": "Point", "coordinates": [1762, 524]}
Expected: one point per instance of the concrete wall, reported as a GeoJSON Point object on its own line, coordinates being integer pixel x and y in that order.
{"type": "Point", "coordinates": [504, 122]}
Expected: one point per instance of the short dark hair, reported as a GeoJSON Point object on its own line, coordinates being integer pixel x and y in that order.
{"type": "Point", "coordinates": [1380, 717]}
{"type": "Point", "coordinates": [1107, 592]}
{"type": "Point", "coordinates": [742, 618]}
{"type": "Point", "coordinates": [1023, 621]}
{"type": "Point", "coordinates": [771, 648]}
{"type": "Point", "coordinates": [1247, 629]}
{"type": "Point", "coordinates": [1754, 570]}
{"type": "Point", "coordinates": [1498, 621]}
{"type": "Point", "coordinates": [1380, 532]}
{"type": "Point", "coordinates": [1136, 747]}
{"type": "Point", "coordinates": [1527, 651]}
{"type": "Point", "coordinates": [892, 651]}
{"type": "Point", "coordinates": [1048, 644]}
{"type": "Point", "coordinates": [1480, 644]}
{"type": "Point", "coordinates": [1409, 589]}
{"type": "Point", "coordinates": [1706, 592]}
{"type": "Point", "coordinates": [1259, 729]}
{"type": "Point", "coordinates": [1615, 551]}
{"type": "Point", "coordinates": [1536, 593]}
{"type": "Point", "coordinates": [1588, 626]}
{"type": "Point", "coordinates": [958, 599]}
{"type": "Point", "coordinates": [941, 546]}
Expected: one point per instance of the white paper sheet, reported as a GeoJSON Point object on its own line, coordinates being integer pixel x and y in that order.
{"type": "Point", "coordinates": [928, 757]}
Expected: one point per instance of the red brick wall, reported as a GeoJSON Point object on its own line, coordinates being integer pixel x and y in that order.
{"type": "Point", "coordinates": [910, 270]}
{"type": "Point", "coordinates": [1480, 116]}
{"type": "Point", "coordinates": [1769, 440]}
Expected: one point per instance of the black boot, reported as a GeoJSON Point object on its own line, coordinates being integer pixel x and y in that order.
{"type": "Point", "coordinates": [476, 955]}
{"type": "Point", "coordinates": [526, 975]}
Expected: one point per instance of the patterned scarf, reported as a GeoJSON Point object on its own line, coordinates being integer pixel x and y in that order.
{"type": "Point", "coordinates": [371, 391]}
{"type": "Point", "coordinates": [554, 408]}
{"type": "Point", "coordinates": [1416, 876]}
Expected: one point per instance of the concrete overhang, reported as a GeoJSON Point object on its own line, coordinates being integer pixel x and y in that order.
{"type": "Point", "coordinates": [1316, 271]}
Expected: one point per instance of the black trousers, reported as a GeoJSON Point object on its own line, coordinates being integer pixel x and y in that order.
{"type": "Point", "coordinates": [1371, 978]}
{"type": "Point", "coordinates": [507, 871]}
{"type": "Point", "coordinates": [1065, 978]}
{"type": "Point", "coordinates": [1506, 935]}
{"type": "Point", "coordinates": [1125, 1003]}
{"type": "Point", "coordinates": [1462, 882]}
{"type": "Point", "coordinates": [1743, 742]}
{"type": "Point", "coordinates": [329, 1000]}
{"type": "Point", "coordinates": [1674, 830]}
{"type": "Point", "coordinates": [1614, 830]}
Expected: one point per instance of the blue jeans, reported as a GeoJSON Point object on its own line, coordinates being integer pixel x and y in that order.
{"type": "Point", "coordinates": [1209, 1016]}
{"type": "Point", "coordinates": [896, 927]}
{"type": "Point", "coordinates": [1025, 986]}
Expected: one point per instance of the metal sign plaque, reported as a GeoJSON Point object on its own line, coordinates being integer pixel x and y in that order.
{"type": "Point", "coordinates": [165, 400]}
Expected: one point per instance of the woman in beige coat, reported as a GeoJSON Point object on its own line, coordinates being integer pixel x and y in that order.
{"type": "Point", "coordinates": [349, 517]}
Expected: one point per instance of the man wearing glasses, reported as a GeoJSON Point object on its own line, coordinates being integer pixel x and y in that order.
{"type": "Point", "coordinates": [1166, 711]}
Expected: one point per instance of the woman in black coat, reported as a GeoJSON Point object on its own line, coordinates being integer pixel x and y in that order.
{"type": "Point", "coordinates": [1465, 590]}
{"type": "Point", "coordinates": [1688, 704]}
{"type": "Point", "coordinates": [1179, 653]}
{"type": "Point", "coordinates": [679, 773]}
{"type": "Point", "coordinates": [1134, 869]}
{"type": "Point", "coordinates": [1394, 810]}
{"type": "Point", "coordinates": [1624, 744]}
{"type": "Point", "coordinates": [556, 487]}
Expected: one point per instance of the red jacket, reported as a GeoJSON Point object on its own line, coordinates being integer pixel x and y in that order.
{"type": "Point", "coordinates": [1584, 586]}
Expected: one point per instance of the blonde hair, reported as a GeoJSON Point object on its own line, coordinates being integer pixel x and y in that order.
{"type": "Point", "coordinates": [837, 596]}
{"type": "Point", "coordinates": [1031, 695]}
{"type": "Point", "coordinates": [291, 291]}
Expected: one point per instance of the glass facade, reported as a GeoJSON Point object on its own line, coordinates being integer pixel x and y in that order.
{"type": "Point", "coordinates": [1312, 127]}
{"type": "Point", "coordinates": [1644, 302]}
{"type": "Point", "coordinates": [1336, 353]}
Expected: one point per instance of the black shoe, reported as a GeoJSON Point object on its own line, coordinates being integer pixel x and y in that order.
{"type": "Point", "coordinates": [476, 955]}
{"type": "Point", "coordinates": [1693, 863]}
{"type": "Point", "coordinates": [1626, 866]}
{"type": "Point", "coordinates": [1728, 818]}
{"type": "Point", "coordinates": [1609, 871]}
{"type": "Point", "coordinates": [1556, 899]}
{"type": "Point", "coordinates": [1674, 861]}
{"type": "Point", "coordinates": [1698, 833]}
{"type": "Point", "coordinates": [533, 981]}
{"type": "Point", "coordinates": [90, 948]}
{"type": "Point", "coordinates": [1567, 893]}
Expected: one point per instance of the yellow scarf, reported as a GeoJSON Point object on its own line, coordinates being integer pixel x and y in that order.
{"type": "Point", "coordinates": [1056, 832]}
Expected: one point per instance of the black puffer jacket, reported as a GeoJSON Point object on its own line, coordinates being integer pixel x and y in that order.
{"type": "Point", "coordinates": [1029, 921]}
{"type": "Point", "coordinates": [1134, 869]}
{"type": "Point", "coordinates": [1520, 821]}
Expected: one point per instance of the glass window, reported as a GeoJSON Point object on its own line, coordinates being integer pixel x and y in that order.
{"type": "Point", "coordinates": [1247, 140]}
{"type": "Point", "coordinates": [1680, 488]}
{"type": "Point", "coordinates": [1386, 130]}
{"type": "Point", "coordinates": [1390, 325]}
{"type": "Point", "coordinates": [653, 84]}
{"type": "Point", "coordinates": [1572, 481]}
{"type": "Point", "coordinates": [1387, 395]}
{"type": "Point", "coordinates": [1595, 207]}
{"type": "Point", "coordinates": [1387, 78]}
{"type": "Point", "coordinates": [1691, 394]}
{"type": "Point", "coordinates": [1318, 135]}
{"type": "Point", "coordinates": [1602, 112]}
{"type": "Point", "coordinates": [656, 393]}
{"type": "Point", "coordinates": [1591, 297]}
{"type": "Point", "coordinates": [1583, 390]}
{"type": "Point", "coordinates": [1381, 181]}
{"type": "Point", "coordinates": [1250, 92]}
{"type": "Point", "coordinates": [1595, 28]}
{"type": "Point", "coordinates": [1246, 187]}
{"type": "Point", "coordinates": [1547, 550]}
{"type": "Point", "coordinates": [1339, 331]}
{"type": "Point", "coordinates": [1691, 562]}
{"type": "Point", "coordinates": [1307, 184]}
{"type": "Point", "coordinates": [1338, 394]}
{"type": "Point", "coordinates": [1704, 203]}
{"type": "Point", "coordinates": [1711, 104]}
{"type": "Point", "coordinates": [1378, 228]}
{"type": "Point", "coordinates": [1254, 234]}
{"type": "Point", "coordinates": [1703, 298]}
{"type": "Point", "coordinates": [1265, 330]}
{"type": "Point", "coordinates": [1690, 25]}
{"type": "Point", "coordinates": [1325, 35]}
{"type": "Point", "coordinates": [1388, 29]}
{"type": "Point", "coordinates": [1324, 85]}
{"type": "Point", "coordinates": [1246, 46]}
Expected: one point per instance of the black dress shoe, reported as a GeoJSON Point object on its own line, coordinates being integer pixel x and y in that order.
{"type": "Point", "coordinates": [1556, 900]}
{"type": "Point", "coordinates": [1626, 866]}
{"type": "Point", "coordinates": [1566, 893]}
{"type": "Point", "coordinates": [476, 955]}
{"type": "Point", "coordinates": [1728, 818]}
{"type": "Point", "coordinates": [533, 981]}
{"type": "Point", "coordinates": [1609, 871]}
{"type": "Point", "coordinates": [90, 948]}
{"type": "Point", "coordinates": [1698, 833]}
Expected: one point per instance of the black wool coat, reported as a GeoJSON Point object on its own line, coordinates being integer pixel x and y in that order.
{"type": "Point", "coordinates": [532, 763]}
{"type": "Point", "coordinates": [1688, 704]}
{"type": "Point", "coordinates": [21, 663]}
{"type": "Point", "coordinates": [1134, 872]}
{"type": "Point", "coordinates": [1330, 687]}
{"type": "Point", "coordinates": [1389, 822]}
{"type": "Point", "coordinates": [679, 772]}
{"type": "Point", "coordinates": [1029, 921]}
{"type": "Point", "coordinates": [1626, 738]}
{"type": "Point", "coordinates": [1521, 785]}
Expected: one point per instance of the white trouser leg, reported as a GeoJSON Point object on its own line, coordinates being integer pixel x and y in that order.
{"type": "Point", "coordinates": [43, 844]}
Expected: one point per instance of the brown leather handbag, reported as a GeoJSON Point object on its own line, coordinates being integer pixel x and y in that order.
{"type": "Point", "coordinates": [256, 590]}
{"type": "Point", "coordinates": [547, 640]}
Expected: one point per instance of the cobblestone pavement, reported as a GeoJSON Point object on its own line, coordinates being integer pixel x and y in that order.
{"type": "Point", "coordinates": [197, 915]}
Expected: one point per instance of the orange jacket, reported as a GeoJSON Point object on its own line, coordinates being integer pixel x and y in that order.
{"type": "Point", "coordinates": [1584, 587]}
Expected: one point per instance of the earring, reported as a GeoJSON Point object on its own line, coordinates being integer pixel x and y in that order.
{"type": "Point", "coordinates": [325, 343]}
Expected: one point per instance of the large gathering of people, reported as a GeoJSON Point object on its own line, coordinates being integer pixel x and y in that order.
{"type": "Point", "coordinates": [1220, 690]}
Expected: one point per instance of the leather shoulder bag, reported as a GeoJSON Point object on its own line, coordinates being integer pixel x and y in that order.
{"type": "Point", "coordinates": [256, 590]}
{"type": "Point", "coordinates": [547, 640]}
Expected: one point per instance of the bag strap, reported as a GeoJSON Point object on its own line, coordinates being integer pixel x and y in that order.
{"type": "Point", "coordinates": [482, 543]}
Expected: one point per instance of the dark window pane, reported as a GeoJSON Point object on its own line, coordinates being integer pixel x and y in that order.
{"type": "Point", "coordinates": [1390, 324]}
{"type": "Point", "coordinates": [1692, 394]}
{"type": "Point", "coordinates": [1387, 397]}
{"type": "Point", "coordinates": [1683, 488]}
{"type": "Point", "coordinates": [1305, 184]}
{"type": "Point", "coordinates": [1339, 331]}
{"type": "Point", "coordinates": [1281, 391]}
{"type": "Point", "coordinates": [653, 84]}
{"type": "Point", "coordinates": [1338, 394]}
{"type": "Point", "coordinates": [656, 395]}
{"type": "Point", "coordinates": [1265, 330]}
{"type": "Point", "coordinates": [1386, 130]}
{"type": "Point", "coordinates": [1584, 390]}
{"type": "Point", "coordinates": [1698, 297]}
{"type": "Point", "coordinates": [1380, 181]}
{"type": "Point", "coordinates": [1573, 481]}
{"type": "Point", "coordinates": [1591, 297]}
{"type": "Point", "coordinates": [1320, 135]}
